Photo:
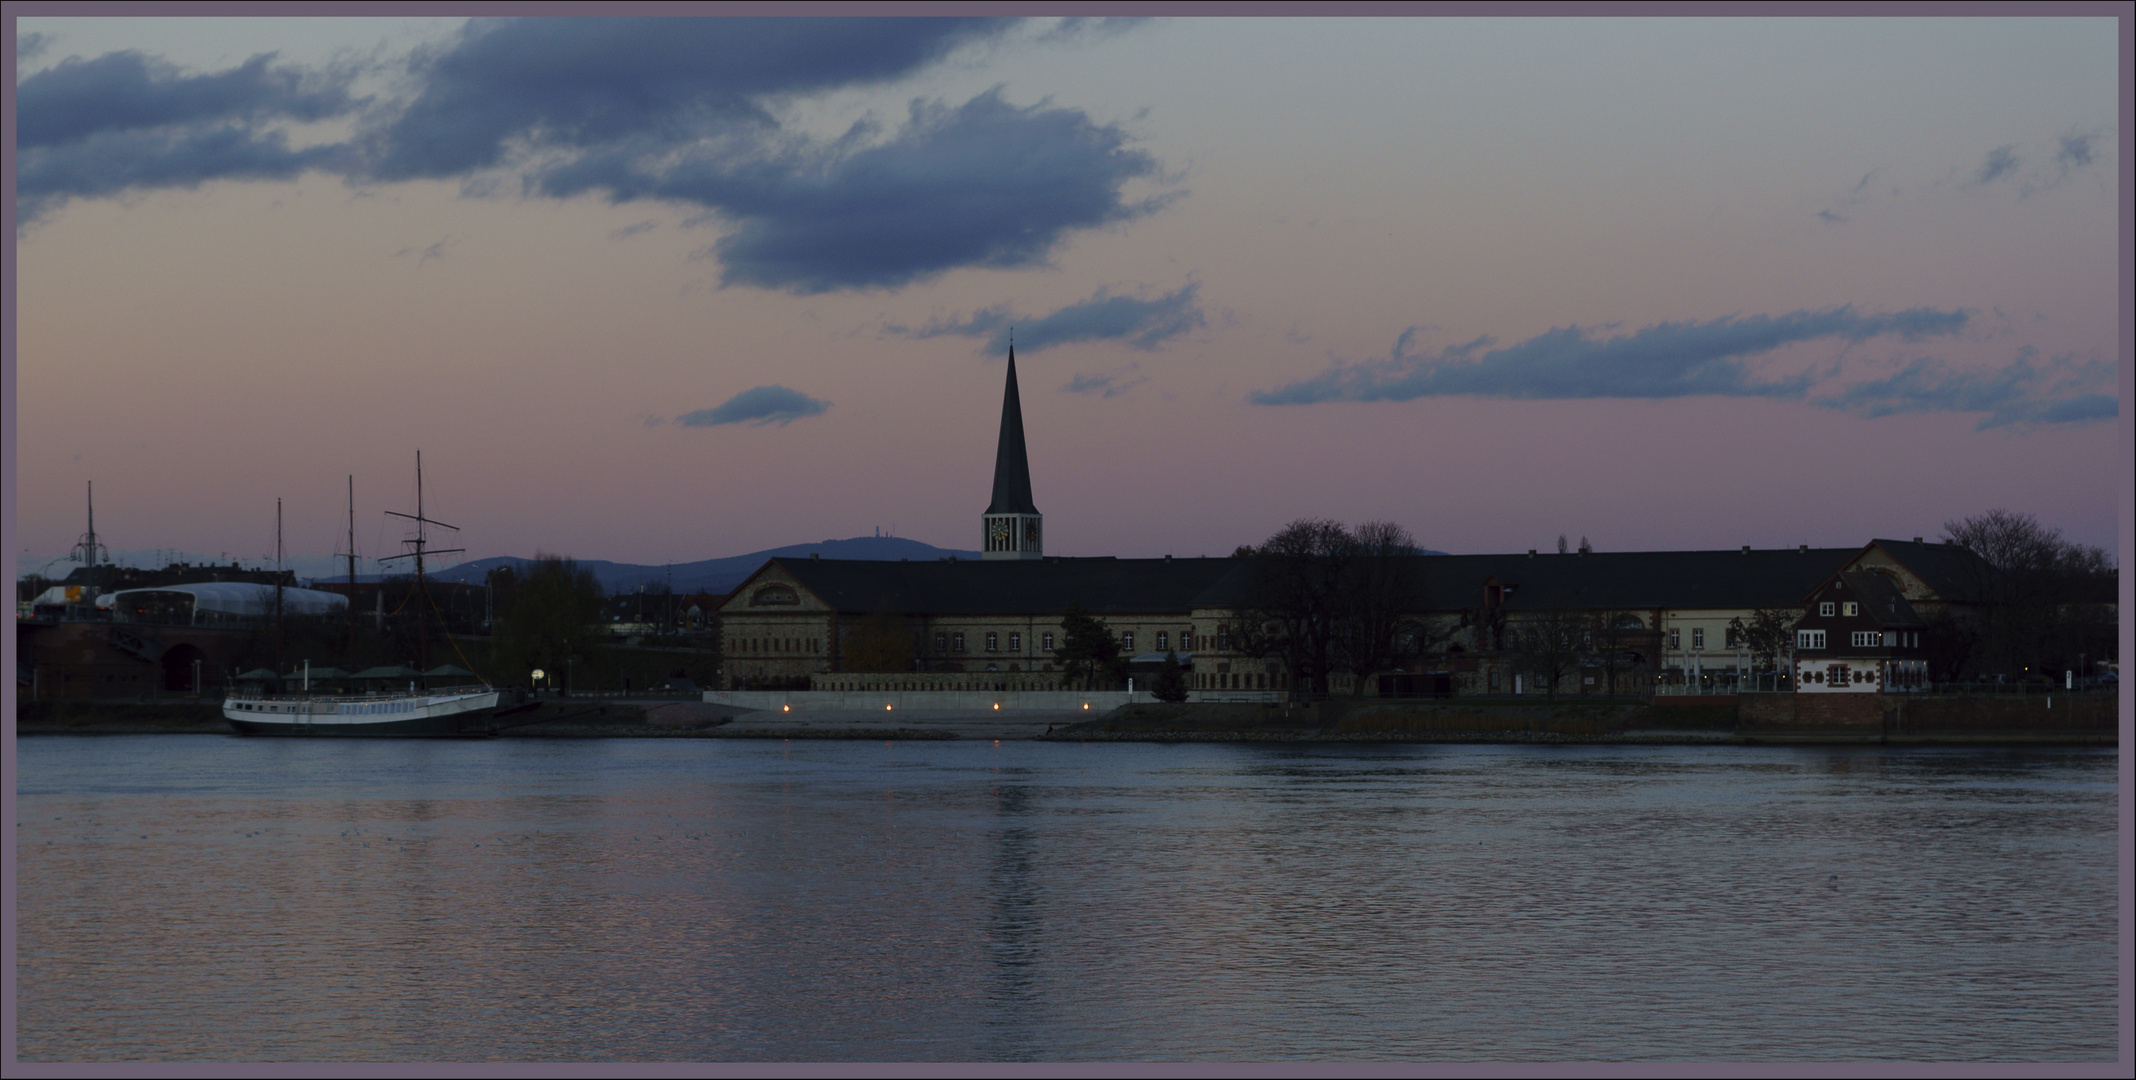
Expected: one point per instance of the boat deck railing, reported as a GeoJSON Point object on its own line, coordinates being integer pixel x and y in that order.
{"type": "Point", "coordinates": [383, 695]}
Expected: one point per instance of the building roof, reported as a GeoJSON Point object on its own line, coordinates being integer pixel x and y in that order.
{"type": "Point", "coordinates": [1952, 572]}
{"type": "Point", "coordinates": [1038, 586]}
{"type": "Point", "coordinates": [1631, 581]}
{"type": "Point", "coordinates": [1881, 599]}
{"type": "Point", "coordinates": [1012, 468]}
{"type": "Point", "coordinates": [1598, 581]}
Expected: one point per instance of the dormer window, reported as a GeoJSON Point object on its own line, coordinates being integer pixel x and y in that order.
{"type": "Point", "coordinates": [1825, 609]}
{"type": "Point", "coordinates": [1850, 609]}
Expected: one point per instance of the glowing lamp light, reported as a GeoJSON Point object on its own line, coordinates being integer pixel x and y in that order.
{"type": "Point", "coordinates": [786, 708]}
{"type": "Point", "coordinates": [997, 706]}
{"type": "Point", "coordinates": [887, 708]}
{"type": "Point", "coordinates": [1086, 706]}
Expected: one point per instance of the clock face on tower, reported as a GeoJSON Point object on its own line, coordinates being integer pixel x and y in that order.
{"type": "Point", "coordinates": [1030, 534]}
{"type": "Point", "coordinates": [999, 534]}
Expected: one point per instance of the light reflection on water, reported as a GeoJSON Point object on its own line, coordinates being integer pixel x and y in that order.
{"type": "Point", "coordinates": [231, 899]}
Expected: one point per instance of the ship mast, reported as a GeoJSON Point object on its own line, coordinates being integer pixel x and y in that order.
{"type": "Point", "coordinates": [278, 590]}
{"type": "Point", "coordinates": [421, 544]}
{"type": "Point", "coordinates": [87, 547]}
{"type": "Point", "coordinates": [352, 568]}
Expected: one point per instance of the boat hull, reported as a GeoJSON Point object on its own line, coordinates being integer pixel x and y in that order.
{"type": "Point", "coordinates": [431, 716]}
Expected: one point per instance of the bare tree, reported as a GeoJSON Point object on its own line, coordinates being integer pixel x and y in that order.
{"type": "Point", "coordinates": [1620, 641]}
{"type": "Point", "coordinates": [2034, 589]}
{"type": "Point", "coordinates": [1251, 633]}
{"type": "Point", "coordinates": [1299, 586]}
{"type": "Point", "coordinates": [1377, 600]}
{"type": "Point", "coordinates": [1947, 643]}
{"type": "Point", "coordinates": [1769, 635]}
{"type": "Point", "coordinates": [1550, 643]}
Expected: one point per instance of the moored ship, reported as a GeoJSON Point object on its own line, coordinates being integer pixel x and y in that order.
{"type": "Point", "coordinates": [451, 712]}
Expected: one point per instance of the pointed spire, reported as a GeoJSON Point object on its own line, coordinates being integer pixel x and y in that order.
{"type": "Point", "coordinates": [1012, 469]}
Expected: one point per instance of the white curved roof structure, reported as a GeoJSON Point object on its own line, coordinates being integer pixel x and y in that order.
{"type": "Point", "coordinates": [239, 598]}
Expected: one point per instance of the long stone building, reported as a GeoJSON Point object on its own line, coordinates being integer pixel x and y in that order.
{"type": "Point", "coordinates": [995, 622]}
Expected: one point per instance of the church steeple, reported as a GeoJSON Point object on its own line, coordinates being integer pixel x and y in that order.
{"type": "Point", "coordinates": [1011, 528]}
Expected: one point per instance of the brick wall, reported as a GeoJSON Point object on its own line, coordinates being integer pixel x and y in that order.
{"type": "Point", "coordinates": [1839, 709]}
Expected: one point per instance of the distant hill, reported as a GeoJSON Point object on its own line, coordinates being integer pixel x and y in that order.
{"type": "Point", "coordinates": [717, 575]}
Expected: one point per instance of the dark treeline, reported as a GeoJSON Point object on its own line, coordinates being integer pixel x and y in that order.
{"type": "Point", "coordinates": [554, 617]}
{"type": "Point", "coordinates": [2044, 605]}
{"type": "Point", "coordinates": [1325, 599]}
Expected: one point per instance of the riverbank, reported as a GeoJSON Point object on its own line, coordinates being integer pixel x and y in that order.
{"type": "Point", "coordinates": [2088, 723]}
{"type": "Point", "coordinates": [173, 717]}
{"type": "Point", "coordinates": [566, 718]}
{"type": "Point", "coordinates": [1588, 720]}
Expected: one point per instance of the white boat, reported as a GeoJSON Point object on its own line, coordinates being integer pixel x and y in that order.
{"type": "Point", "coordinates": [452, 712]}
{"type": "Point", "coordinates": [455, 712]}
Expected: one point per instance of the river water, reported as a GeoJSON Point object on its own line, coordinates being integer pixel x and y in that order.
{"type": "Point", "coordinates": [216, 898]}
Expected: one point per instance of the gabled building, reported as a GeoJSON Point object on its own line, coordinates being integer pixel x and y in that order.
{"type": "Point", "coordinates": [1859, 634]}
{"type": "Point", "coordinates": [1932, 577]}
{"type": "Point", "coordinates": [795, 619]}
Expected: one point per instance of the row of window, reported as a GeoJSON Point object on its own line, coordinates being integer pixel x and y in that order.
{"type": "Point", "coordinates": [1245, 680]}
{"type": "Point", "coordinates": [765, 645]}
{"type": "Point", "coordinates": [1164, 643]}
{"type": "Point", "coordinates": [1851, 608]}
{"type": "Point", "coordinates": [1837, 675]}
{"type": "Point", "coordinates": [1862, 639]}
{"type": "Point", "coordinates": [953, 641]}
{"type": "Point", "coordinates": [1698, 638]}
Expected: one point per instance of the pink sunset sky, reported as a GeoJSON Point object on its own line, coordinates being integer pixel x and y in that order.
{"type": "Point", "coordinates": [659, 291]}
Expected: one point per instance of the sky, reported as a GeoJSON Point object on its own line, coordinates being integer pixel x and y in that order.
{"type": "Point", "coordinates": [667, 290]}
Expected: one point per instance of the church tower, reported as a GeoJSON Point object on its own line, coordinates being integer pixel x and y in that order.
{"type": "Point", "coordinates": [1011, 529]}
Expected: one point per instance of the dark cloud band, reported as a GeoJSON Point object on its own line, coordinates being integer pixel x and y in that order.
{"type": "Point", "coordinates": [1686, 359]}
{"type": "Point", "coordinates": [583, 83]}
{"type": "Point", "coordinates": [1139, 323]}
{"type": "Point", "coordinates": [757, 407]}
{"type": "Point", "coordinates": [93, 128]}
{"type": "Point", "coordinates": [984, 184]}
{"type": "Point", "coordinates": [127, 91]}
{"type": "Point", "coordinates": [2061, 391]}
{"type": "Point", "coordinates": [1677, 359]}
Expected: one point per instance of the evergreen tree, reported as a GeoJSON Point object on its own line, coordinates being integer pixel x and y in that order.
{"type": "Point", "coordinates": [1171, 682]}
{"type": "Point", "coordinates": [1089, 652]}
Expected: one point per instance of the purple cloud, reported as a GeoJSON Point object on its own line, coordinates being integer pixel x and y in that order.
{"type": "Point", "coordinates": [1665, 360]}
{"type": "Point", "coordinates": [1141, 324]}
{"type": "Point", "coordinates": [757, 407]}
